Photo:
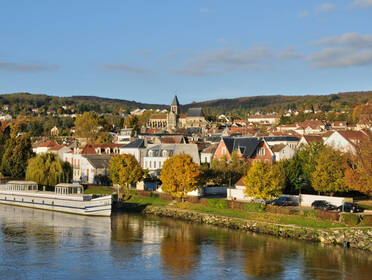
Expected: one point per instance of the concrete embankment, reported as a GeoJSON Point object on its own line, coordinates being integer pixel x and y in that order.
{"type": "Point", "coordinates": [354, 237]}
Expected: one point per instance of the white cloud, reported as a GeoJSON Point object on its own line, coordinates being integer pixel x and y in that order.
{"type": "Point", "coordinates": [303, 14]}
{"type": "Point", "coordinates": [24, 67]}
{"type": "Point", "coordinates": [225, 60]}
{"type": "Point", "coordinates": [340, 58]}
{"type": "Point", "coordinates": [207, 11]}
{"type": "Point", "coordinates": [289, 53]}
{"type": "Point", "coordinates": [126, 68]}
{"type": "Point", "coordinates": [362, 3]}
{"type": "Point", "coordinates": [355, 40]}
{"type": "Point", "coordinates": [325, 7]}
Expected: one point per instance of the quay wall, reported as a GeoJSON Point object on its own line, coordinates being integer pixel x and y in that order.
{"type": "Point", "coordinates": [356, 237]}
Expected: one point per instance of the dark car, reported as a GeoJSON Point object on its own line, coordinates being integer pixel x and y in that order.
{"type": "Point", "coordinates": [283, 201]}
{"type": "Point", "coordinates": [322, 205]}
{"type": "Point", "coordinates": [350, 207]}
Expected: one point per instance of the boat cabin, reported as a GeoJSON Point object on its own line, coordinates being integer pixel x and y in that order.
{"type": "Point", "coordinates": [21, 186]}
{"type": "Point", "coordinates": [65, 188]}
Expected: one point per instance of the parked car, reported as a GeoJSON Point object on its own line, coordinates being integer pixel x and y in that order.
{"type": "Point", "coordinates": [322, 205]}
{"type": "Point", "coordinates": [283, 201]}
{"type": "Point", "coordinates": [350, 207]}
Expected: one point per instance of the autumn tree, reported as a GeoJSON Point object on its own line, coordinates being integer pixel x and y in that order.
{"type": "Point", "coordinates": [307, 157]}
{"type": "Point", "coordinates": [17, 152]}
{"type": "Point", "coordinates": [264, 181]}
{"type": "Point", "coordinates": [48, 170]}
{"type": "Point", "coordinates": [358, 174]}
{"type": "Point", "coordinates": [86, 126]}
{"type": "Point", "coordinates": [224, 171]}
{"type": "Point", "coordinates": [328, 176]}
{"type": "Point", "coordinates": [125, 171]}
{"type": "Point", "coordinates": [180, 175]}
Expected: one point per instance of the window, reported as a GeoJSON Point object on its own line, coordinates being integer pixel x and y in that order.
{"type": "Point", "coordinates": [224, 151]}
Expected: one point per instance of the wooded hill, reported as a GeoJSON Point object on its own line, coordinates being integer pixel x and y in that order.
{"type": "Point", "coordinates": [240, 106]}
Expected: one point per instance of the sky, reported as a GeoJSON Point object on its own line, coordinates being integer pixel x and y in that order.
{"type": "Point", "coordinates": [148, 51]}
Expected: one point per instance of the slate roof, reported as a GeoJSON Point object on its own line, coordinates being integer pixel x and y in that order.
{"type": "Point", "coordinates": [195, 112]}
{"type": "Point", "coordinates": [176, 149]}
{"type": "Point", "coordinates": [98, 161]}
{"type": "Point", "coordinates": [246, 145]}
{"type": "Point", "coordinates": [138, 143]}
{"type": "Point", "coordinates": [281, 138]}
{"type": "Point", "coordinates": [175, 101]}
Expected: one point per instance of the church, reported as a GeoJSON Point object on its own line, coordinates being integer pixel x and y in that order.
{"type": "Point", "coordinates": [174, 119]}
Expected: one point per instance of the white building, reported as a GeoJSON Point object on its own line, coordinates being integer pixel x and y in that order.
{"type": "Point", "coordinates": [135, 148]}
{"type": "Point", "coordinates": [264, 119]}
{"type": "Point", "coordinates": [345, 141]}
{"type": "Point", "coordinates": [156, 155]}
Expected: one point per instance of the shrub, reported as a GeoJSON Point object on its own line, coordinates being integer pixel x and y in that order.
{"type": "Point", "coordinates": [218, 203]}
{"type": "Point", "coordinates": [349, 219]}
{"type": "Point", "coordinates": [254, 207]}
{"type": "Point", "coordinates": [279, 209]}
{"type": "Point", "coordinates": [155, 195]}
{"type": "Point", "coordinates": [366, 221]}
{"type": "Point", "coordinates": [328, 215]}
{"type": "Point", "coordinates": [309, 213]}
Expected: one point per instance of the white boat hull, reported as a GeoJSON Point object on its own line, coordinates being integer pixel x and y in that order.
{"type": "Point", "coordinates": [62, 203]}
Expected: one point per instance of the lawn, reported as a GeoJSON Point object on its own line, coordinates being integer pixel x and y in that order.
{"type": "Point", "coordinates": [100, 190]}
{"type": "Point", "coordinates": [156, 201]}
{"type": "Point", "coordinates": [297, 220]}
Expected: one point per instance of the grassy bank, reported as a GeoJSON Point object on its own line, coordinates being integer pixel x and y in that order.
{"type": "Point", "coordinates": [255, 212]}
{"type": "Point", "coordinates": [99, 190]}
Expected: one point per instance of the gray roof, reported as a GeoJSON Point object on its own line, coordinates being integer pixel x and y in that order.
{"type": "Point", "coordinates": [98, 161]}
{"type": "Point", "coordinates": [176, 149]}
{"type": "Point", "coordinates": [195, 112]}
{"type": "Point", "coordinates": [138, 143]}
{"type": "Point", "coordinates": [246, 145]}
{"type": "Point", "coordinates": [175, 101]}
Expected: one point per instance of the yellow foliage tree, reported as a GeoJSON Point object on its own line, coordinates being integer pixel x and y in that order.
{"type": "Point", "coordinates": [264, 181]}
{"type": "Point", "coordinates": [86, 126]}
{"type": "Point", "coordinates": [180, 175]}
{"type": "Point", "coordinates": [358, 174]}
{"type": "Point", "coordinates": [329, 173]}
{"type": "Point", "coordinates": [125, 170]}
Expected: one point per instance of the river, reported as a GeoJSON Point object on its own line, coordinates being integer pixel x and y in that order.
{"type": "Point", "coordinates": [37, 244]}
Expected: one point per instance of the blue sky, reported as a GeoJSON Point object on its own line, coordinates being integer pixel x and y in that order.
{"type": "Point", "coordinates": [150, 50]}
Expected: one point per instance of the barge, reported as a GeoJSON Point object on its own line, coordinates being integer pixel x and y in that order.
{"type": "Point", "coordinates": [68, 198]}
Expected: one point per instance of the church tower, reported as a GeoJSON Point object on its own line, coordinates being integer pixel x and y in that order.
{"type": "Point", "coordinates": [173, 114]}
{"type": "Point", "coordinates": [175, 105]}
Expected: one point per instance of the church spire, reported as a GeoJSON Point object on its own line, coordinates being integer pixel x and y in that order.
{"type": "Point", "coordinates": [175, 105]}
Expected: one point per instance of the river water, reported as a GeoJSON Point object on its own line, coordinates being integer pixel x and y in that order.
{"type": "Point", "coordinates": [37, 244]}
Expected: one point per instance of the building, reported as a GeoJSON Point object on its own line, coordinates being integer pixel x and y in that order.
{"type": "Point", "coordinates": [310, 139]}
{"type": "Point", "coordinates": [264, 119]}
{"type": "Point", "coordinates": [156, 155]}
{"type": "Point", "coordinates": [134, 148]}
{"type": "Point", "coordinates": [345, 141]}
{"type": "Point", "coordinates": [173, 119]}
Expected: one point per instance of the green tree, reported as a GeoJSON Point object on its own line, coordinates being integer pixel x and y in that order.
{"type": "Point", "coordinates": [307, 156]}
{"type": "Point", "coordinates": [86, 126]}
{"type": "Point", "coordinates": [48, 170]}
{"type": "Point", "coordinates": [180, 175]}
{"type": "Point", "coordinates": [329, 173]}
{"type": "Point", "coordinates": [264, 181]}
{"type": "Point", "coordinates": [17, 152]}
{"type": "Point", "coordinates": [125, 171]}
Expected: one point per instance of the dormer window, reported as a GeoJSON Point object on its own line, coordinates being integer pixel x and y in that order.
{"type": "Point", "coordinates": [107, 151]}
{"type": "Point", "coordinates": [165, 153]}
{"type": "Point", "coordinates": [98, 151]}
{"type": "Point", "coordinates": [151, 153]}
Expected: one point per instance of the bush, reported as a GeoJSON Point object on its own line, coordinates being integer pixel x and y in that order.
{"type": "Point", "coordinates": [218, 203]}
{"type": "Point", "coordinates": [309, 213]}
{"type": "Point", "coordinates": [156, 195]}
{"type": "Point", "coordinates": [349, 219]}
{"type": "Point", "coordinates": [366, 221]}
{"type": "Point", "coordinates": [328, 215]}
{"type": "Point", "coordinates": [254, 207]}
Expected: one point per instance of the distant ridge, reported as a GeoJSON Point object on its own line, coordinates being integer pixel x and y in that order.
{"type": "Point", "coordinates": [264, 103]}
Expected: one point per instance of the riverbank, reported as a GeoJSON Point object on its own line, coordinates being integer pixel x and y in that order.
{"type": "Point", "coordinates": [355, 237]}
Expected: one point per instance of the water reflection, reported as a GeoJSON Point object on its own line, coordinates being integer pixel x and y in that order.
{"type": "Point", "coordinates": [36, 244]}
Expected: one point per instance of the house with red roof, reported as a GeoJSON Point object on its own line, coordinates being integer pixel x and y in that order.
{"type": "Point", "coordinates": [345, 141]}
